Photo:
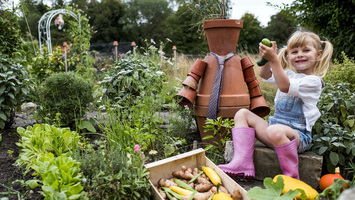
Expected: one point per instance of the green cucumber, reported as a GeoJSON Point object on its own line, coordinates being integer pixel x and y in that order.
{"type": "Point", "coordinates": [263, 61]}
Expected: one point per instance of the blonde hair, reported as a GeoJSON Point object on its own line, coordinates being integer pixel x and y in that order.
{"type": "Point", "coordinates": [305, 38]}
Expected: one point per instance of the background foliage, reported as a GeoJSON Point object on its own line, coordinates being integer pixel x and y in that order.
{"type": "Point", "coordinates": [333, 20]}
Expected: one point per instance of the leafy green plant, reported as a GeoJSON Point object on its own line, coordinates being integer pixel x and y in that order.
{"type": "Point", "coordinates": [80, 35]}
{"type": "Point", "coordinates": [333, 133]}
{"type": "Point", "coordinates": [13, 88]}
{"type": "Point", "coordinates": [220, 128]}
{"type": "Point", "coordinates": [273, 191]}
{"type": "Point", "coordinates": [114, 173]}
{"type": "Point", "coordinates": [60, 177]}
{"type": "Point", "coordinates": [40, 139]}
{"type": "Point", "coordinates": [10, 42]}
{"type": "Point", "coordinates": [13, 75]}
{"type": "Point", "coordinates": [140, 124]}
{"type": "Point", "coordinates": [132, 77]}
{"type": "Point", "coordinates": [64, 93]}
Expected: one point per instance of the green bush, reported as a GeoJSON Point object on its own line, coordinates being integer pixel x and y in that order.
{"type": "Point", "coordinates": [64, 93]}
{"type": "Point", "coordinates": [334, 132]}
{"type": "Point", "coordinates": [13, 76]}
{"type": "Point", "coordinates": [13, 84]}
{"type": "Point", "coordinates": [342, 71]}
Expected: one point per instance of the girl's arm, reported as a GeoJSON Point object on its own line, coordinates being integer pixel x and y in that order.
{"type": "Point", "coordinates": [270, 54]}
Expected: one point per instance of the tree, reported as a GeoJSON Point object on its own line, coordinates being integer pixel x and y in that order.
{"type": "Point", "coordinates": [104, 17]}
{"type": "Point", "coordinates": [333, 20]}
{"type": "Point", "coordinates": [33, 11]}
{"type": "Point", "coordinates": [143, 19]}
{"type": "Point", "coordinates": [251, 34]}
{"type": "Point", "coordinates": [178, 28]}
{"type": "Point", "coordinates": [279, 29]}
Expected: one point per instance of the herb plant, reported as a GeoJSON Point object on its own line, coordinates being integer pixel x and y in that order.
{"type": "Point", "coordinates": [334, 132]}
{"type": "Point", "coordinates": [114, 173]}
{"type": "Point", "coordinates": [208, 9]}
{"type": "Point", "coordinates": [220, 128]}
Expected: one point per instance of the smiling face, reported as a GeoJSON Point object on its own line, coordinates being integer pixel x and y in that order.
{"type": "Point", "coordinates": [304, 51]}
{"type": "Point", "coordinates": [304, 58]}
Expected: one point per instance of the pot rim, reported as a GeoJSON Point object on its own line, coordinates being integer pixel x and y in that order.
{"type": "Point", "coordinates": [226, 23]}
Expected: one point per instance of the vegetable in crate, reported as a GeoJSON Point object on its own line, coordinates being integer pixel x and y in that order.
{"type": "Point", "coordinates": [212, 175]}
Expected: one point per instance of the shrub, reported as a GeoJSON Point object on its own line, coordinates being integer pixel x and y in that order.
{"type": "Point", "coordinates": [342, 71]}
{"type": "Point", "coordinates": [13, 83]}
{"type": "Point", "coordinates": [334, 132]}
{"type": "Point", "coordinates": [64, 93]}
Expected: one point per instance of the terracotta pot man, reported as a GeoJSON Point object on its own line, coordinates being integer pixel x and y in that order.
{"type": "Point", "coordinates": [223, 79]}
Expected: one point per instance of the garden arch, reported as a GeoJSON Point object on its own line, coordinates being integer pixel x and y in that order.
{"type": "Point", "coordinates": [44, 32]}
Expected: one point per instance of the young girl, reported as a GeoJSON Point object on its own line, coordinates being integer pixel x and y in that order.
{"type": "Point", "coordinates": [289, 129]}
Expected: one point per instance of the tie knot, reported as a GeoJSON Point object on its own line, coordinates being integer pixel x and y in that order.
{"type": "Point", "coordinates": [221, 59]}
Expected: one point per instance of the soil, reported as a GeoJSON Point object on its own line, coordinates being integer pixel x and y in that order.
{"type": "Point", "coordinates": [9, 173]}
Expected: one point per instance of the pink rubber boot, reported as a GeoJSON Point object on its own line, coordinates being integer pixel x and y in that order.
{"type": "Point", "coordinates": [288, 158]}
{"type": "Point", "coordinates": [242, 164]}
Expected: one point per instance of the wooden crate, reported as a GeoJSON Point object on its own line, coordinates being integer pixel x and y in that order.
{"type": "Point", "coordinates": [196, 158]}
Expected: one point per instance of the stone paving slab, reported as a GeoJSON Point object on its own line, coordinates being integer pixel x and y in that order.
{"type": "Point", "coordinates": [267, 164]}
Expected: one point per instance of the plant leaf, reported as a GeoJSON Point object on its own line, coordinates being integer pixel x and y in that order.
{"type": "Point", "coordinates": [87, 125]}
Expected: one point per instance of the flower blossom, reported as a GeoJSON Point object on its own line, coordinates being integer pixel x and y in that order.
{"type": "Point", "coordinates": [137, 148]}
{"type": "Point", "coordinates": [197, 5]}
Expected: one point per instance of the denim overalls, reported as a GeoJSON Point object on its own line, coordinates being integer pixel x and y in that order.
{"type": "Point", "coordinates": [289, 112]}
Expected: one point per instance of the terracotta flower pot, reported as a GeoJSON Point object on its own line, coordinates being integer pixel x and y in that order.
{"type": "Point", "coordinates": [222, 35]}
{"type": "Point", "coordinates": [199, 67]}
{"type": "Point", "coordinates": [186, 96]}
{"type": "Point", "coordinates": [257, 102]}
{"type": "Point", "coordinates": [191, 82]}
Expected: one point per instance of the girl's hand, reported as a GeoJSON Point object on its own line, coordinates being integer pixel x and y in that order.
{"type": "Point", "coordinates": [269, 53]}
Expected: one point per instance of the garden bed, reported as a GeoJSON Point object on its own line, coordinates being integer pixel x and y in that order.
{"type": "Point", "coordinates": [10, 173]}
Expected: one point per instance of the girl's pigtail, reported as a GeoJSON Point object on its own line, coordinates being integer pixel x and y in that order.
{"type": "Point", "coordinates": [283, 58]}
{"type": "Point", "coordinates": [325, 60]}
